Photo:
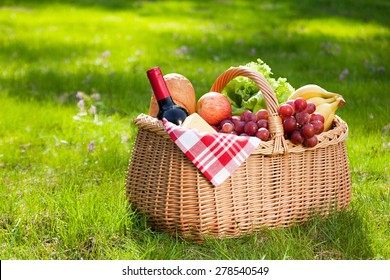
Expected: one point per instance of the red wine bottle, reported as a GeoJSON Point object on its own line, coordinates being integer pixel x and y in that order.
{"type": "Point", "coordinates": [167, 108]}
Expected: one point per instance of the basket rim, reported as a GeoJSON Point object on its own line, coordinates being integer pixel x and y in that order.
{"type": "Point", "coordinates": [337, 134]}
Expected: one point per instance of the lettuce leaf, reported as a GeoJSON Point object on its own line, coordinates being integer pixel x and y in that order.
{"type": "Point", "coordinates": [244, 94]}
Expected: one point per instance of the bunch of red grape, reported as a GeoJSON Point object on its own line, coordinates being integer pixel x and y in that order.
{"type": "Point", "coordinates": [248, 124]}
{"type": "Point", "coordinates": [300, 122]}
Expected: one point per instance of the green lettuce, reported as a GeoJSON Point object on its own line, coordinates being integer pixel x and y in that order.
{"type": "Point", "coordinates": [244, 94]}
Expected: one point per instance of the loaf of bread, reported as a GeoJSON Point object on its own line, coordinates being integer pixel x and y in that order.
{"type": "Point", "coordinates": [182, 92]}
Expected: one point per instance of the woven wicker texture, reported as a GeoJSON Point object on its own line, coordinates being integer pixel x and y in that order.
{"type": "Point", "coordinates": [278, 185]}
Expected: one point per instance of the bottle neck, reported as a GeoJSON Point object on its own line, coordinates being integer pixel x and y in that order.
{"type": "Point", "coordinates": [166, 102]}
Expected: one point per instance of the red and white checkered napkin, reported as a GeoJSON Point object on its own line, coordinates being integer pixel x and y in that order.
{"type": "Point", "coordinates": [216, 155]}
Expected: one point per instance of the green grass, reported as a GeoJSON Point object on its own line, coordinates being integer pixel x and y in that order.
{"type": "Point", "coordinates": [58, 200]}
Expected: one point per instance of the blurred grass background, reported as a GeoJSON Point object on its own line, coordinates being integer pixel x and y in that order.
{"type": "Point", "coordinates": [62, 175]}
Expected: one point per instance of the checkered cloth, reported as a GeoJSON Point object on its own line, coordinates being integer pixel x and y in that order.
{"type": "Point", "coordinates": [216, 155]}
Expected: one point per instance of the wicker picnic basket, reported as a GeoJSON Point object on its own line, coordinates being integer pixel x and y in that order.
{"type": "Point", "coordinates": [280, 184]}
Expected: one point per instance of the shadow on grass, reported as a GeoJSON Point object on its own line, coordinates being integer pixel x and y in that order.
{"type": "Point", "coordinates": [342, 235]}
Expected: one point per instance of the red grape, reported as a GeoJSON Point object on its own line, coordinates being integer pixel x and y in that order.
{"type": "Point", "coordinates": [307, 130]}
{"type": "Point", "coordinates": [243, 115]}
{"type": "Point", "coordinates": [300, 104]}
{"type": "Point", "coordinates": [235, 119]}
{"type": "Point", "coordinates": [250, 128]}
{"type": "Point", "coordinates": [227, 127]}
{"type": "Point", "coordinates": [225, 121]}
{"type": "Point", "coordinates": [240, 127]}
{"type": "Point", "coordinates": [262, 114]}
{"type": "Point", "coordinates": [262, 123]}
{"type": "Point", "coordinates": [310, 108]}
{"type": "Point", "coordinates": [292, 104]}
{"type": "Point", "coordinates": [311, 142]}
{"type": "Point", "coordinates": [286, 111]}
{"type": "Point", "coordinates": [296, 137]}
{"type": "Point", "coordinates": [302, 118]}
{"type": "Point", "coordinates": [289, 124]}
{"type": "Point", "coordinates": [263, 134]}
{"type": "Point", "coordinates": [318, 126]}
{"type": "Point", "coordinates": [317, 117]}
{"type": "Point", "coordinates": [250, 117]}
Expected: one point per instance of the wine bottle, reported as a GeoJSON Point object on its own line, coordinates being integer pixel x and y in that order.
{"type": "Point", "coordinates": [167, 108]}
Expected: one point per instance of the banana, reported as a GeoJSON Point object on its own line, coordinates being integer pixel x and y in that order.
{"type": "Point", "coordinates": [311, 91]}
{"type": "Point", "coordinates": [320, 100]}
{"type": "Point", "coordinates": [328, 110]}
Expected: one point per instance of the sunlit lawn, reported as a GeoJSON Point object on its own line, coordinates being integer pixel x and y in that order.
{"type": "Point", "coordinates": [62, 175]}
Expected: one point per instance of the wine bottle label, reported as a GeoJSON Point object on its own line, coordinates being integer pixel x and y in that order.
{"type": "Point", "coordinates": [158, 84]}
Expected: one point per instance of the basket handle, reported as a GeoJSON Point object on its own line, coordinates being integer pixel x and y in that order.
{"type": "Point", "coordinates": [274, 121]}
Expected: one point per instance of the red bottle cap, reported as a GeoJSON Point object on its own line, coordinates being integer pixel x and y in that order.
{"type": "Point", "coordinates": [157, 81]}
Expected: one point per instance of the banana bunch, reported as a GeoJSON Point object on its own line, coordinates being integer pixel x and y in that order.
{"type": "Point", "coordinates": [326, 102]}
